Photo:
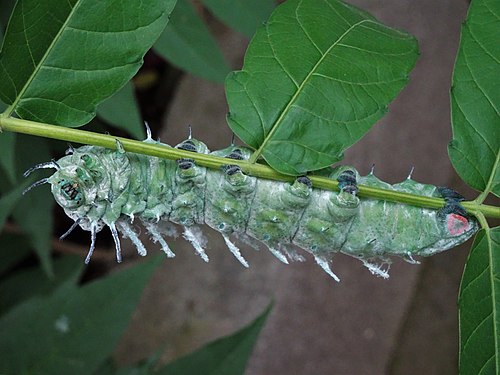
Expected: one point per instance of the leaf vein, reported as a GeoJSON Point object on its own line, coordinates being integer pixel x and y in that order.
{"type": "Point", "coordinates": [355, 83]}
{"type": "Point", "coordinates": [337, 12]}
{"type": "Point", "coordinates": [490, 10]}
{"type": "Point", "coordinates": [302, 146]}
{"type": "Point", "coordinates": [372, 51]}
{"type": "Point", "coordinates": [250, 98]}
{"type": "Point", "coordinates": [13, 106]}
{"type": "Point", "coordinates": [474, 279]}
{"type": "Point", "coordinates": [304, 29]}
{"type": "Point", "coordinates": [477, 83]}
{"type": "Point", "coordinates": [472, 127]}
{"type": "Point", "coordinates": [112, 31]}
{"type": "Point", "coordinates": [275, 55]}
{"type": "Point", "coordinates": [77, 70]}
{"type": "Point", "coordinates": [343, 122]}
{"type": "Point", "coordinates": [472, 163]}
{"type": "Point", "coordinates": [300, 88]}
{"type": "Point", "coordinates": [471, 335]}
{"type": "Point", "coordinates": [486, 363]}
{"type": "Point", "coordinates": [52, 100]}
{"type": "Point", "coordinates": [25, 35]}
{"type": "Point", "coordinates": [483, 47]}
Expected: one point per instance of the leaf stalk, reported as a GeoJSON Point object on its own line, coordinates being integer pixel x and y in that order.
{"type": "Point", "coordinates": [215, 162]}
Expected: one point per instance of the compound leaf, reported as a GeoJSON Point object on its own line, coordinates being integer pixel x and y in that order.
{"type": "Point", "coordinates": [88, 50]}
{"type": "Point", "coordinates": [479, 307]}
{"type": "Point", "coordinates": [475, 99]}
{"type": "Point", "coordinates": [73, 330]}
{"type": "Point", "coordinates": [316, 77]}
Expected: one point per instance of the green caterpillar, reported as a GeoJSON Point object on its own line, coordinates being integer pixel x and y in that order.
{"type": "Point", "coordinates": [99, 187]}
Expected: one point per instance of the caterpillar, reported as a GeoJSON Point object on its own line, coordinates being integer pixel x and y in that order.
{"type": "Point", "coordinates": [99, 187]}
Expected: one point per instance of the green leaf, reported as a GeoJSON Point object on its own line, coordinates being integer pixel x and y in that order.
{"type": "Point", "coordinates": [188, 44]}
{"type": "Point", "coordinates": [315, 79]}
{"type": "Point", "coordinates": [34, 282]}
{"type": "Point", "coordinates": [479, 307]}
{"type": "Point", "coordinates": [7, 147]}
{"type": "Point", "coordinates": [8, 202]}
{"type": "Point", "coordinates": [33, 213]}
{"type": "Point", "coordinates": [143, 367]}
{"type": "Point", "coordinates": [13, 249]}
{"type": "Point", "coordinates": [93, 46]}
{"type": "Point", "coordinates": [110, 368]}
{"type": "Point", "coordinates": [475, 99]}
{"type": "Point", "coordinates": [241, 15]}
{"type": "Point", "coordinates": [122, 111]}
{"type": "Point", "coordinates": [73, 330]}
{"type": "Point", "coordinates": [225, 356]}
{"type": "Point", "coordinates": [3, 107]}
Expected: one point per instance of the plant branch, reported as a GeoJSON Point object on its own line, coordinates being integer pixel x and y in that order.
{"type": "Point", "coordinates": [215, 162]}
{"type": "Point", "coordinates": [482, 221]}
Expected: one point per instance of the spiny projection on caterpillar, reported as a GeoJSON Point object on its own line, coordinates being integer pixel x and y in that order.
{"type": "Point", "coordinates": [99, 187]}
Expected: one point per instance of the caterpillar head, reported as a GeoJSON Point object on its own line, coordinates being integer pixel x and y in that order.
{"type": "Point", "coordinates": [75, 184]}
{"type": "Point", "coordinates": [67, 191]}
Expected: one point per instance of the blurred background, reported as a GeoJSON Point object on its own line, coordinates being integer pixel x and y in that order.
{"type": "Point", "coordinates": [363, 325]}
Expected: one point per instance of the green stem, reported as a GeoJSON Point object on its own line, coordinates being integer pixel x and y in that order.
{"type": "Point", "coordinates": [482, 221]}
{"type": "Point", "coordinates": [215, 162]}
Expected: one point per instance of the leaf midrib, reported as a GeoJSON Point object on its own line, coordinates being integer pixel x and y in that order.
{"type": "Point", "coordinates": [276, 125]}
{"type": "Point", "coordinates": [8, 112]}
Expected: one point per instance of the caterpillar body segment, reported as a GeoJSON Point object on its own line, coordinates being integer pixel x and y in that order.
{"type": "Point", "coordinates": [98, 187]}
{"type": "Point", "coordinates": [276, 213]}
{"type": "Point", "coordinates": [326, 221]}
